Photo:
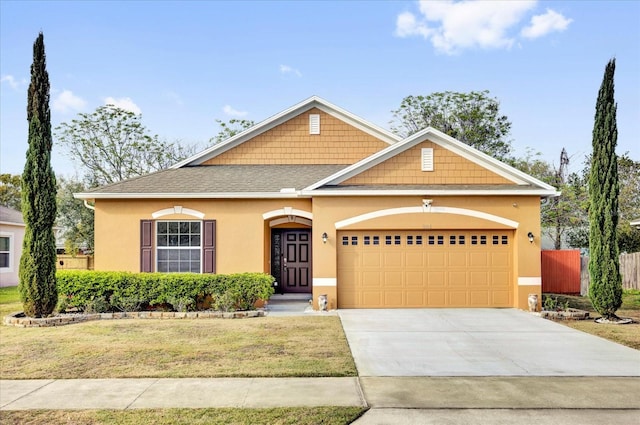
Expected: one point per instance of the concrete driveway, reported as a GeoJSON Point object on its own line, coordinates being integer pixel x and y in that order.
{"type": "Point", "coordinates": [478, 342]}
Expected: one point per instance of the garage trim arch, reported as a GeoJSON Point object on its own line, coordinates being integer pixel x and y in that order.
{"type": "Point", "coordinates": [426, 209]}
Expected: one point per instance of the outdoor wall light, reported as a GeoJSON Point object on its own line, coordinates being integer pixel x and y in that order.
{"type": "Point", "coordinates": [530, 236]}
{"type": "Point", "coordinates": [324, 237]}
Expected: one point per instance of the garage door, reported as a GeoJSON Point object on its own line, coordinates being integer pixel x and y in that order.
{"type": "Point", "coordinates": [385, 269]}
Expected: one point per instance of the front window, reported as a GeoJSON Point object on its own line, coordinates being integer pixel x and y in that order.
{"type": "Point", "coordinates": [179, 246]}
{"type": "Point", "coordinates": [5, 252]}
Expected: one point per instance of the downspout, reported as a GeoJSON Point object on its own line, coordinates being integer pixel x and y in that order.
{"type": "Point", "coordinates": [91, 207]}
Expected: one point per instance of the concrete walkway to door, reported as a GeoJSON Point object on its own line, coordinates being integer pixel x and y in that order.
{"type": "Point", "coordinates": [478, 342]}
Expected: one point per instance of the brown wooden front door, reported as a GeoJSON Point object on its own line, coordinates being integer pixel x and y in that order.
{"type": "Point", "coordinates": [291, 260]}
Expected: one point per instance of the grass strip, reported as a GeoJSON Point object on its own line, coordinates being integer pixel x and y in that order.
{"type": "Point", "coordinates": [272, 416]}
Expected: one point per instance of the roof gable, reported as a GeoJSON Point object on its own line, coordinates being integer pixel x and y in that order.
{"type": "Point", "coordinates": [331, 113]}
{"type": "Point", "coordinates": [405, 168]}
{"type": "Point", "coordinates": [374, 170]}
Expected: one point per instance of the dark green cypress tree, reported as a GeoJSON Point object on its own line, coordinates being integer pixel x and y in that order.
{"type": "Point", "coordinates": [37, 287]}
{"type": "Point", "coordinates": [605, 287]}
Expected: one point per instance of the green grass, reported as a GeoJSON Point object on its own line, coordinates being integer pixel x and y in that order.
{"type": "Point", "coordinates": [175, 348]}
{"type": "Point", "coordinates": [275, 416]}
{"type": "Point", "coordinates": [628, 335]}
{"type": "Point", "coordinates": [10, 296]}
{"type": "Point", "coordinates": [293, 346]}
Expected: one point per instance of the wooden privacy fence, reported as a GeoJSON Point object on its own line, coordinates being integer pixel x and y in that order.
{"type": "Point", "coordinates": [565, 272]}
{"type": "Point", "coordinates": [630, 270]}
{"type": "Point", "coordinates": [560, 271]}
{"type": "Point", "coordinates": [77, 262]}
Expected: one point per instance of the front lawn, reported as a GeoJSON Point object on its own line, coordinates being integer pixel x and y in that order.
{"type": "Point", "coordinates": [628, 335]}
{"type": "Point", "coordinates": [174, 348]}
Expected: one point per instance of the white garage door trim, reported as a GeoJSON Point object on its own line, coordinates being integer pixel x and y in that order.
{"type": "Point", "coordinates": [426, 209]}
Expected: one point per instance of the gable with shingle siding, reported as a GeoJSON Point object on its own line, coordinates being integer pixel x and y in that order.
{"type": "Point", "coordinates": [449, 168]}
{"type": "Point", "coordinates": [291, 143]}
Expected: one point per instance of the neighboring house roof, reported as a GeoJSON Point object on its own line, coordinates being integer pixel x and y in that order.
{"type": "Point", "coordinates": [525, 184]}
{"type": "Point", "coordinates": [217, 181]}
{"type": "Point", "coordinates": [11, 217]}
{"type": "Point", "coordinates": [635, 223]}
{"type": "Point", "coordinates": [269, 123]}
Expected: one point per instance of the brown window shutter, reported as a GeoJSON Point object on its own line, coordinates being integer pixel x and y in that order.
{"type": "Point", "coordinates": [146, 246]}
{"type": "Point", "coordinates": [209, 247]}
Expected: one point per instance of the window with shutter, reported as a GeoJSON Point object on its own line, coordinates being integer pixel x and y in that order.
{"type": "Point", "coordinates": [180, 246]}
{"type": "Point", "coordinates": [209, 246]}
{"type": "Point", "coordinates": [146, 246]}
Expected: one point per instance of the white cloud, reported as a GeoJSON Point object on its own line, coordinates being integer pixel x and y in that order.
{"type": "Point", "coordinates": [406, 25]}
{"type": "Point", "coordinates": [11, 80]}
{"type": "Point", "coordinates": [452, 26]}
{"type": "Point", "coordinates": [544, 24]}
{"type": "Point", "coordinates": [66, 101]}
{"type": "Point", "coordinates": [286, 69]}
{"type": "Point", "coordinates": [123, 103]}
{"type": "Point", "coordinates": [228, 110]}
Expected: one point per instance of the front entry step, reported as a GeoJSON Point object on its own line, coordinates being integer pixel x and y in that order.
{"type": "Point", "coordinates": [290, 297]}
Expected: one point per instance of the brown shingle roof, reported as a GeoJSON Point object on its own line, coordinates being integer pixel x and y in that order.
{"type": "Point", "coordinates": [223, 179]}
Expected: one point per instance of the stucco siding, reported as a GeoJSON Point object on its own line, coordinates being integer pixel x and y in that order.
{"type": "Point", "coordinates": [240, 239]}
{"type": "Point", "coordinates": [291, 143]}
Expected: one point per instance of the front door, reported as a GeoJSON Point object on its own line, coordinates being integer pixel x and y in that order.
{"type": "Point", "coordinates": [291, 260]}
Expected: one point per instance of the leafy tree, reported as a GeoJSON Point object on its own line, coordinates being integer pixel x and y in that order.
{"type": "Point", "coordinates": [564, 214]}
{"type": "Point", "coordinates": [112, 144]}
{"type": "Point", "coordinates": [230, 129]}
{"type": "Point", "coordinates": [629, 203]}
{"type": "Point", "coordinates": [605, 288]}
{"type": "Point", "coordinates": [37, 273]}
{"type": "Point", "coordinates": [473, 118]}
{"type": "Point", "coordinates": [10, 191]}
{"type": "Point", "coordinates": [75, 219]}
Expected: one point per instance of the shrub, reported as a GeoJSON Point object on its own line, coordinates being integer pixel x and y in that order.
{"type": "Point", "coordinates": [94, 290]}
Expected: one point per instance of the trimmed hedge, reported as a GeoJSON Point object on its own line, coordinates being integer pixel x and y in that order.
{"type": "Point", "coordinates": [97, 291]}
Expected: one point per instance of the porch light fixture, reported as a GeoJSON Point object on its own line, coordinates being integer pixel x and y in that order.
{"type": "Point", "coordinates": [324, 237]}
{"type": "Point", "coordinates": [530, 236]}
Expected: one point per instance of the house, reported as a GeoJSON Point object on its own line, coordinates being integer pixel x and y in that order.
{"type": "Point", "coordinates": [11, 236]}
{"type": "Point", "coordinates": [331, 204]}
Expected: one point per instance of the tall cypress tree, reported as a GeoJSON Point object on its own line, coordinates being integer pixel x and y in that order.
{"type": "Point", "coordinates": [37, 287]}
{"type": "Point", "coordinates": [605, 288]}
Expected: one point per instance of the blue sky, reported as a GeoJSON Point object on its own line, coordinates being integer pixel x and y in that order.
{"type": "Point", "coordinates": [185, 64]}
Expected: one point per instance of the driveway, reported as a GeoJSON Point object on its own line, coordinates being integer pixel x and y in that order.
{"type": "Point", "coordinates": [478, 342]}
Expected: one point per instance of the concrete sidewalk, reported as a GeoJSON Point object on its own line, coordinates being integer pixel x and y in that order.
{"type": "Point", "coordinates": [184, 393]}
{"type": "Point", "coordinates": [376, 392]}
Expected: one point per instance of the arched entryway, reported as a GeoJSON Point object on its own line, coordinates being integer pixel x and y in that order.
{"type": "Point", "coordinates": [290, 258]}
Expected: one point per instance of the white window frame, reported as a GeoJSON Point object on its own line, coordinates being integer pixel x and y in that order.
{"type": "Point", "coordinates": [168, 248]}
{"type": "Point", "coordinates": [11, 252]}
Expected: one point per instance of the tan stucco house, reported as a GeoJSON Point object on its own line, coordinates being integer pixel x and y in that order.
{"type": "Point", "coordinates": [331, 204]}
{"type": "Point", "coordinates": [12, 229]}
